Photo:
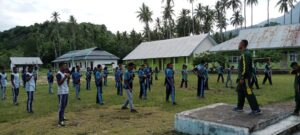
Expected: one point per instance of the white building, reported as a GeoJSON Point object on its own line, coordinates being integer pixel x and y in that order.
{"type": "Point", "coordinates": [24, 61]}
{"type": "Point", "coordinates": [88, 58]}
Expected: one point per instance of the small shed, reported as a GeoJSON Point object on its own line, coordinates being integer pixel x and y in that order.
{"type": "Point", "coordinates": [90, 57]}
{"type": "Point", "coordinates": [24, 61]}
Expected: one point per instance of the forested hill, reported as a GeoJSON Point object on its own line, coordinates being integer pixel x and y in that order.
{"type": "Point", "coordinates": [49, 40]}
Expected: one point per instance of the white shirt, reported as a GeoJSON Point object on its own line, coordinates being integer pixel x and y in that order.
{"type": "Point", "coordinates": [30, 85]}
{"type": "Point", "coordinates": [63, 88]}
{"type": "Point", "coordinates": [3, 79]}
{"type": "Point", "coordinates": [16, 80]}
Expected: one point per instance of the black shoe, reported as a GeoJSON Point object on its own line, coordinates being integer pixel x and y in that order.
{"type": "Point", "coordinates": [133, 111]}
{"type": "Point", "coordinates": [101, 103]}
{"type": "Point", "coordinates": [62, 124]}
{"type": "Point", "coordinates": [78, 99]}
{"type": "Point", "coordinates": [30, 112]}
{"type": "Point", "coordinates": [236, 109]}
{"type": "Point", "coordinates": [174, 103]}
{"type": "Point", "coordinates": [124, 108]}
{"type": "Point", "coordinates": [255, 112]}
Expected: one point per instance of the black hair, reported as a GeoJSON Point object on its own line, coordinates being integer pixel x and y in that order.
{"type": "Point", "coordinates": [294, 64]}
{"type": "Point", "coordinates": [245, 42]}
{"type": "Point", "coordinates": [61, 64]}
{"type": "Point", "coordinates": [98, 66]}
{"type": "Point", "coordinates": [130, 64]}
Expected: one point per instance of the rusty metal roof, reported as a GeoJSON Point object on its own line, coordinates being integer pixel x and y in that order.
{"type": "Point", "coordinates": [284, 36]}
{"type": "Point", "coordinates": [176, 47]}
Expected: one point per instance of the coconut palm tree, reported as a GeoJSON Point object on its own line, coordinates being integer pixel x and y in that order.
{"type": "Point", "coordinates": [192, 3]}
{"type": "Point", "coordinates": [145, 16]}
{"type": "Point", "coordinates": [208, 19]}
{"type": "Point", "coordinates": [268, 12]}
{"type": "Point", "coordinates": [237, 19]}
{"type": "Point", "coordinates": [183, 21]}
{"type": "Point", "coordinates": [284, 6]}
{"type": "Point", "coordinates": [234, 4]}
{"type": "Point", "coordinates": [199, 15]}
{"type": "Point", "coordinates": [55, 34]}
{"type": "Point", "coordinates": [168, 17]}
{"type": "Point", "coordinates": [73, 26]}
{"type": "Point", "coordinates": [220, 18]}
{"type": "Point", "coordinates": [251, 2]}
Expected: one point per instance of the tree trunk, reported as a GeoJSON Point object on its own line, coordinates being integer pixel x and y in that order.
{"type": "Point", "coordinates": [251, 15]}
{"type": "Point", "coordinates": [193, 23]}
{"type": "Point", "coordinates": [54, 48]}
{"type": "Point", "coordinates": [148, 31]}
{"type": "Point", "coordinates": [268, 13]}
{"type": "Point", "coordinates": [284, 18]}
{"type": "Point", "coordinates": [245, 13]}
{"type": "Point", "coordinates": [291, 16]}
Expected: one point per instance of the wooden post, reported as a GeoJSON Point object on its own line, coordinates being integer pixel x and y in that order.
{"type": "Point", "coordinates": [174, 63]}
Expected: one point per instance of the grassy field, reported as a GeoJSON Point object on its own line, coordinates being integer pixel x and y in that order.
{"type": "Point", "coordinates": [155, 115]}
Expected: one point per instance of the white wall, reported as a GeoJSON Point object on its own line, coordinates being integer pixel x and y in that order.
{"type": "Point", "coordinates": [95, 63]}
{"type": "Point", "coordinates": [203, 47]}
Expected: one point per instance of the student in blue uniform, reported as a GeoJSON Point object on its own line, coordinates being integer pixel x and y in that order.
{"type": "Point", "coordinates": [98, 80]}
{"type": "Point", "coordinates": [128, 81]}
{"type": "Point", "coordinates": [62, 78]}
{"type": "Point", "coordinates": [184, 76]}
{"type": "Point", "coordinates": [88, 77]}
{"type": "Point", "coordinates": [148, 75]}
{"type": "Point", "coordinates": [142, 81]}
{"type": "Point", "coordinates": [229, 79]}
{"type": "Point", "coordinates": [220, 72]}
{"type": "Point", "coordinates": [156, 71]}
{"type": "Point", "coordinates": [30, 88]}
{"type": "Point", "coordinates": [200, 72]}
{"type": "Point", "coordinates": [15, 83]}
{"type": "Point", "coordinates": [76, 81]}
{"type": "Point", "coordinates": [254, 77]}
{"type": "Point", "coordinates": [268, 75]}
{"type": "Point", "coordinates": [170, 88]}
{"type": "Point", "coordinates": [35, 75]}
{"type": "Point", "coordinates": [206, 77]}
{"type": "Point", "coordinates": [50, 78]}
{"type": "Point", "coordinates": [3, 83]}
{"type": "Point", "coordinates": [119, 79]}
{"type": "Point", "coordinates": [105, 75]}
{"type": "Point", "coordinates": [24, 75]}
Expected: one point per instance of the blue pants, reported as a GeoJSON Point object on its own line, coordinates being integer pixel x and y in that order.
{"type": "Point", "coordinates": [148, 87]}
{"type": "Point", "coordinates": [77, 89]}
{"type": "Point", "coordinates": [50, 87]}
{"type": "Point", "coordinates": [15, 93]}
{"type": "Point", "coordinates": [119, 88]}
{"type": "Point", "coordinates": [3, 92]}
{"type": "Point", "coordinates": [99, 98]}
{"type": "Point", "coordinates": [170, 90]}
{"type": "Point", "coordinates": [88, 84]}
{"type": "Point", "coordinates": [129, 99]}
{"type": "Point", "coordinates": [105, 81]}
{"type": "Point", "coordinates": [62, 104]}
{"type": "Point", "coordinates": [29, 100]}
{"type": "Point", "coordinates": [143, 90]}
{"type": "Point", "coordinates": [200, 89]}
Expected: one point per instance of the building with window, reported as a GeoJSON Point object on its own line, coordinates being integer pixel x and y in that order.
{"type": "Point", "coordinates": [88, 58]}
{"type": "Point", "coordinates": [285, 39]}
{"type": "Point", "coordinates": [178, 51]}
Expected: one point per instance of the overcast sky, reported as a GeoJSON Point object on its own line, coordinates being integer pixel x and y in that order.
{"type": "Point", "coordinates": [117, 15]}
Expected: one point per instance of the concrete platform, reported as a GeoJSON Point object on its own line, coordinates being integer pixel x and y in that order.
{"type": "Point", "coordinates": [219, 119]}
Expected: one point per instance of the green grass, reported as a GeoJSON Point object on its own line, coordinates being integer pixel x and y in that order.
{"type": "Point", "coordinates": [155, 115]}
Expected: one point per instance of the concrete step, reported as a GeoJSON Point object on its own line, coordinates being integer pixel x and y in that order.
{"type": "Point", "coordinates": [286, 126]}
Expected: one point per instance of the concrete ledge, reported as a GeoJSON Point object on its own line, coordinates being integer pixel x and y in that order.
{"type": "Point", "coordinates": [219, 119]}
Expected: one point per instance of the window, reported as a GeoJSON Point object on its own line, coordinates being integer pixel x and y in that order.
{"type": "Point", "coordinates": [293, 56]}
{"type": "Point", "coordinates": [176, 60]}
{"type": "Point", "coordinates": [154, 61]}
{"type": "Point", "coordinates": [233, 59]}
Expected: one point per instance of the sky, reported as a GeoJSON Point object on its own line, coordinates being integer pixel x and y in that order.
{"type": "Point", "coordinates": [117, 15]}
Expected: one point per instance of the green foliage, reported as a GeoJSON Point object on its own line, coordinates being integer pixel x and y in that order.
{"type": "Point", "coordinates": [39, 40]}
{"type": "Point", "coordinates": [275, 55]}
{"type": "Point", "coordinates": [206, 57]}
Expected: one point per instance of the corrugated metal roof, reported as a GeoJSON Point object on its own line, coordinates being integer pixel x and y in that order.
{"type": "Point", "coordinates": [177, 47]}
{"type": "Point", "coordinates": [86, 54]}
{"type": "Point", "coordinates": [284, 36]}
{"type": "Point", "coordinates": [26, 61]}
